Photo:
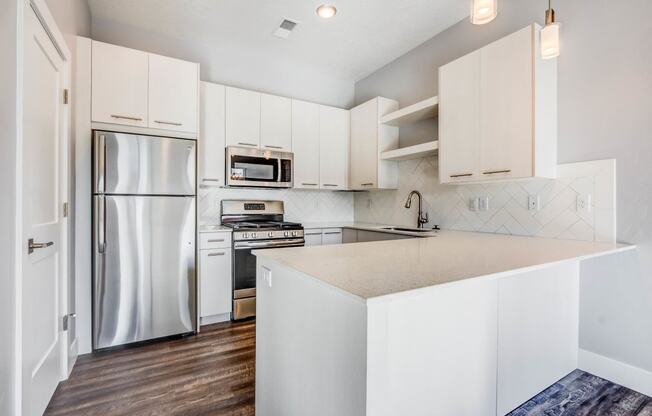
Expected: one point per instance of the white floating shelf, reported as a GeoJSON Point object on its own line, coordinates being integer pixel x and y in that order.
{"type": "Point", "coordinates": [420, 111]}
{"type": "Point", "coordinates": [412, 152]}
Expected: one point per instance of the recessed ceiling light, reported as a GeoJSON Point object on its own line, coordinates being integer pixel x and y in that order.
{"type": "Point", "coordinates": [326, 11]}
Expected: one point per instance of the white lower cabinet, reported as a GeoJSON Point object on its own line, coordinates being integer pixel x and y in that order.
{"type": "Point", "coordinates": [331, 236]}
{"type": "Point", "coordinates": [538, 327]}
{"type": "Point", "coordinates": [312, 237]}
{"type": "Point", "coordinates": [215, 276]}
{"type": "Point", "coordinates": [325, 236]}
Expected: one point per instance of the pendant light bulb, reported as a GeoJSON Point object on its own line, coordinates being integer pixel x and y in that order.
{"type": "Point", "coordinates": [483, 11]}
{"type": "Point", "coordinates": [550, 36]}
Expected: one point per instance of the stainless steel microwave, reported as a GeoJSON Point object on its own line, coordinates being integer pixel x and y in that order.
{"type": "Point", "coordinates": [258, 168]}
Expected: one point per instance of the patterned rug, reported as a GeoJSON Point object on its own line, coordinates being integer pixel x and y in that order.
{"type": "Point", "coordinates": [583, 394]}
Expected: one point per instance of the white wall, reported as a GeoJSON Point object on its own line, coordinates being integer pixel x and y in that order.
{"type": "Point", "coordinates": [224, 64]}
{"type": "Point", "coordinates": [300, 205]}
{"type": "Point", "coordinates": [8, 81]}
{"type": "Point", "coordinates": [605, 111]}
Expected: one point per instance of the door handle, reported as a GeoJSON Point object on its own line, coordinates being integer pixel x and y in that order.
{"type": "Point", "coordinates": [273, 147]}
{"type": "Point", "coordinates": [493, 172]}
{"type": "Point", "coordinates": [126, 117]}
{"type": "Point", "coordinates": [171, 123]}
{"type": "Point", "coordinates": [31, 245]}
{"type": "Point", "coordinates": [461, 175]}
{"type": "Point", "coordinates": [100, 163]}
{"type": "Point", "coordinates": [101, 225]}
{"type": "Point", "coordinates": [248, 144]}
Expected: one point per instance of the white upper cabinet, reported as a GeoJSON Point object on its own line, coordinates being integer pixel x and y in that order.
{"type": "Point", "coordinates": [459, 119]}
{"type": "Point", "coordinates": [498, 112]}
{"type": "Point", "coordinates": [305, 144]}
{"type": "Point", "coordinates": [242, 117]}
{"type": "Point", "coordinates": [119, 85]}
{"type": "Point", "coordinates": [275, 123]}
{"type": "Point", "coordinates": [173, 90]}
{"type": "Point", "coordinates": [334, 127]}
{"type": "Point", "coordinates": [369, 138]}
{"type": "Point", "coordinates": [212, 135]}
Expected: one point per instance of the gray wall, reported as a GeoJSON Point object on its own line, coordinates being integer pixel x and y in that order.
{"type": "Point", "coordinates": [247, 71]}
{"type": "Point", "coordinates": [8, 73]}
{"type": "Point", "coordinates": [605, 111]}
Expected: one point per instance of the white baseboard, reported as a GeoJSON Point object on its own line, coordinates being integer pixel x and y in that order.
{"type": "Point", "coordinates": [618, 372]}
{"type": "Point", "coordinates": [208, 320]}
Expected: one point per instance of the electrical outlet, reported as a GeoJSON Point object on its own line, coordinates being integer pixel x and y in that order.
{"type": "Point", "coordinates": [484, 203]}
{"type": "Point", "coordinates": [474, 204]}
{"type": "Point", "coordinates": [267, 276]}
{"type": "Point", "coordinates": [533, 203]}
{"type": "Point", "coordinates": [583, 203]}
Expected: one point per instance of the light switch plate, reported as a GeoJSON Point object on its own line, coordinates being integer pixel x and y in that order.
{"type": "Point", "coordinates": [474, 204]}
{"type": "Point", "coordinates": [484, 203]}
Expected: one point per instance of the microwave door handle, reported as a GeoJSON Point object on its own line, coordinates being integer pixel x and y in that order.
{"type": "Point", "coordinates": [280, 173]}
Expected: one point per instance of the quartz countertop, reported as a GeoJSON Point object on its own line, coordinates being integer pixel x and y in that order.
{"type": "Point", "coordinates": [212, 228]}
{"type": "Point", "coordinates": [380, 268]}
{"type": "Point", "coordinates": [383, 228]}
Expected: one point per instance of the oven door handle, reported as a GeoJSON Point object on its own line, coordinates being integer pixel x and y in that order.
{"type": "Point", "coordinates": [242, 245]}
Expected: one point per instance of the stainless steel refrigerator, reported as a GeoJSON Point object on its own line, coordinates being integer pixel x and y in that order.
{"type": "Point", "coordinates": [144, 232]}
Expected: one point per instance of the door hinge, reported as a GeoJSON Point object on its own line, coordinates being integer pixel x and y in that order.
{"type": "Point", "coordinates": [65, 210]}
{"type": "Point", "coordinates": [65, 96]}
{"type": "Point", "coordinates": [65, 320]}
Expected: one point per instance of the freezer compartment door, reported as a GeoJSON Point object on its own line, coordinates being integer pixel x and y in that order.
{"type": "Point", "coordinates": [144, 283]}
{"type": "Point", "coordinates": [144, 165]}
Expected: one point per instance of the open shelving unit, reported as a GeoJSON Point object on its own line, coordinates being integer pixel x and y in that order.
{"type": "Point", "coordinates": [412, 152]}
{"type": "Point", "coordinates": [422, 110]}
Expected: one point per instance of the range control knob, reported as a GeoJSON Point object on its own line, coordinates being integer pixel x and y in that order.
{"type": "Point", "coordinates": [270, 234]}
{"type": "Point", "coordinates": [294, 233]}
{"type": "Point", "coordinates": [245, 235]}
{"type": "Point", "coordinates": [253, 235]}
{"type": "Point", "coordinates": [286, 234]}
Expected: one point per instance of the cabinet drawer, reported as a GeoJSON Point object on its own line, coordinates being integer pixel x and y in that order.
{"type": "Point", "coordinates": [331, 236]}
{"type": "Point", "coordinates": [313, 237]}
{"type": "Point", "coordinates": [208, 241]}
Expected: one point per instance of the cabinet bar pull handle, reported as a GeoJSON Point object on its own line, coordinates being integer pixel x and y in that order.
{"type": "Point", "coordinates": [273, 147]}
{"type": "Point", "coordinates": [216, 241]}
{"type": "Point", "coordinates": [248, 144]}
{"type": "Point", "coordinates": [308, 184]}
{"type": "Point", "coordinates": [491, 172]}
{"type": "Point", "coordinates": [367, 184]}
{"type": "Point", "coordinates": [334, 232]}
{"type": "Point", "coordinates": [126, 117]}
{"type": "Point", "coordinates": [313, 233]}
{"type": "Point", "coordinates": [461, 175]}
{"type": "Point", "coordinates": [329, 184]}
{"type": "Point", "coordinates": [210, 180]}
{"type": "Point", "coordinates": [171, 123]}
{"type": "Point", "coordinates": [221, 253]}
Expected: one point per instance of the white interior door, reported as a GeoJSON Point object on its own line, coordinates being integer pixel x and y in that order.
{"type": "Point", "coordinates": [43, 188]}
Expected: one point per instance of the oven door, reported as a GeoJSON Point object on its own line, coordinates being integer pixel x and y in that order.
{"type": "Point", "coordinates": [258, 168]}
{"type": "Point", "coordinates": [244, 273]}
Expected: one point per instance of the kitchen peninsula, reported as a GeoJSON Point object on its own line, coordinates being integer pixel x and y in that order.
{"type": "Point", "coordinates": [462, 323]}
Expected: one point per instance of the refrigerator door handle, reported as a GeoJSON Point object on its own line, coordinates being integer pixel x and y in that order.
{"type": "Point", "coordinates": [101, 224]}
{"type": "Point", "coordinates": [100, 163]}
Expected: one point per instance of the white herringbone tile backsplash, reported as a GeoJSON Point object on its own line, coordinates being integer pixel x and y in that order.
{"type": "Point", "coordinates": [447, 205]}
{"type": "Point", "coordinates": [300, 205]}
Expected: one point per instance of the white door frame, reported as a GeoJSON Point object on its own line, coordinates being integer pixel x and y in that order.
{"type": "Point", "coordinates": [49, 24]}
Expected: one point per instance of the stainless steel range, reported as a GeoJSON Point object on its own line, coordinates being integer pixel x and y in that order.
{"type": "Point", "coordinates": [256, 225]}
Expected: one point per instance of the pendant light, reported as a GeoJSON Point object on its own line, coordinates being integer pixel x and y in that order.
{"type": "Point", "coordinates": [483, 11]}
{"type": "Point", "coordinates": [550, 35]}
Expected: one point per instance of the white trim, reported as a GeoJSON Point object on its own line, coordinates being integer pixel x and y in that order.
{"type": "Point", "coordinates": [18, 295]}
{"type": "Point", "coordinates": [214, 319]}
{"type": "Point", "coordinates": [618, 372]}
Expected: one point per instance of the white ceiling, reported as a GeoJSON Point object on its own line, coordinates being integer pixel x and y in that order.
{"type": "Point", "coordinates": [362, 37]}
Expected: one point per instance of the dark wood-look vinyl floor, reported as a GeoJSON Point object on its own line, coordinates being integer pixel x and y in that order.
{"type": "Point", "coordinates": [213, 374]}
{"type": "Point", "coordinates": [208, 374]}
